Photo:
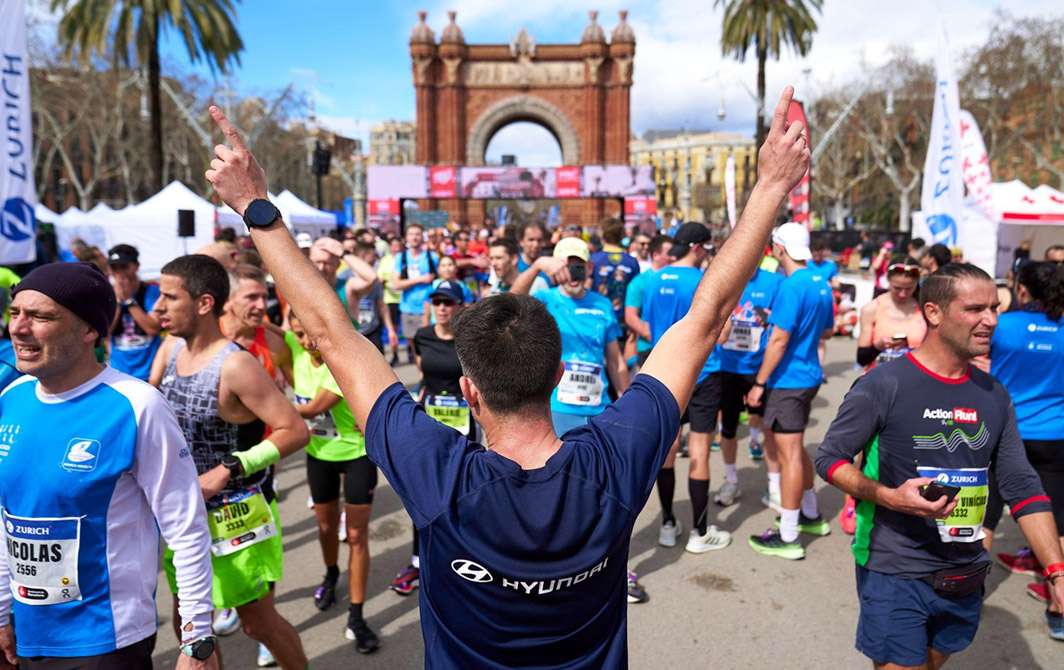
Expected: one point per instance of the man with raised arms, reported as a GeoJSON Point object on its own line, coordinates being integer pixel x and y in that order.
{"type": "Point", "coordinates": [524, 542]}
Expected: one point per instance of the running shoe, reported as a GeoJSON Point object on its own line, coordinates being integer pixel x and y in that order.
{"type": "Point", "coordinates": [325, 595]}
{"type": "Point", "coordinates": [1023, 563]}
{"type": "Point", "coordinates": [669, 533]}
{"type": "Point", "coordinates": [771, 544]}
{"type": "Point", "coordinates": [729, 492]}
{"type": "Point", "coordinates": [636, 592]}
{"type": "Point", "coordinates": [1039, 591]}
{"type": "Point", "coordinates": [226, 622]}
{"type": "Point", "coordinates": [406, 581]}
{"type": "Point", "coordinates": [848, 516]}
{"type": "Point", "coordinates": [342, 532]}
{"type": "Point", "coordinates": [756, 452]}
{"type": "Point", "coordinates": [1056, 625]}
{"type": "Point", "coordinates": [715, 446]}
{"type": "Point", "coordinates": [772, 501]}
{"type": "Point", "coordinates": [713, 539]}
{"type": "Point", "coordinates": [266, 659]}
{"type": "Point", "coordinates": [365, 639]}
{"type": "Point", "coordinates": [818, 526]}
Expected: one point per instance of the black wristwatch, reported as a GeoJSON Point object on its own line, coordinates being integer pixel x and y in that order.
{"type": "Point", "coordinates": [234, 465]}
{"type": "Point", "coordinates": [260, 213]}
{"type": "Point", "coordinates": [200, 649]}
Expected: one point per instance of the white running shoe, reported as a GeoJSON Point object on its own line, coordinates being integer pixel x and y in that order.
{"type": "Point", "coordinates": [669, 533]}
{"type": "Point", "coordinates": [728, 493]}
{"type": "Point", "coordinates": [266, 659]}
{"type": "Point", "coordinates": [712, 540]}
{"type": "Point", "coordinates": [772, 502]}
{"type": "Point", "coordinates": [226, 622]}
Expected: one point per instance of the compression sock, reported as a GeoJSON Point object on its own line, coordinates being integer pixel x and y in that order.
{"type": "Point", "coordinates": [774, 483]}
{"type": "Point", "coordinates": [666, 491]}
{"type": "Point", "coordinates": [354, 612]}
{"type": "Point", "coordinates": [789, 525]}
{"type": "Point", "coordinates": [332, 573]}
{"type": "Point", "coordinates": [809, 506]}
{"type": "Point", "coordinates": [731, 473]}
{"type": "Point", "coordinates": [699, 492]}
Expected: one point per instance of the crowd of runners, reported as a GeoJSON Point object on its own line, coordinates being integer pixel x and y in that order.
{"type": "Point", "coordinates": [576, 357]}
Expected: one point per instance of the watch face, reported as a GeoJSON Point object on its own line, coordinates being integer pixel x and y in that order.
{"type": "Point", "coordinates": [203, 650]}
{"type": "Point", "coordinates": [260, 213]}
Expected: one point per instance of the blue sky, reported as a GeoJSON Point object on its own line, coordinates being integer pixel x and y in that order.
{"type": "Point", "coordinates": [353, 57]}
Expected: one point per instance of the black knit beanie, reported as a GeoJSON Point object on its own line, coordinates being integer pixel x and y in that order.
{"type": "Point", "coordinates": [80, 287]}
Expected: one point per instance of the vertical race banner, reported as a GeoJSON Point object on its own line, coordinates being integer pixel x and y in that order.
{"type": "Point", "coordinates": [942, 196]}
{"type": "Point", "coordinates": [799, 198]}
{"type": "Point", "coordinates": [729, 188]}
{"type": "Point", "coordinates": [974, 165]}
{"type": "Point", "coordinates": [18, 195]}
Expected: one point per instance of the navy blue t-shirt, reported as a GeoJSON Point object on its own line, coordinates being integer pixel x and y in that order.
{"type": "Point", "coordinates": [525, 568]}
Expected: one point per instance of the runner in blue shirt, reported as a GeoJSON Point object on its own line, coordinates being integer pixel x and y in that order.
{"type": "Point", "coordinates": [613, 268]}
{"type": "Point", "coordinates": [135, 330]}
{"type": "Point", "coordinates": [658, 250]}
{"type": "Point", "coordinates": [740, 359]}
{"type": "Point", "coordinates": [524, 543]}
{"type": "Point", "coordinates": [787, 381]}
{"type": "Point", "coordinates": [414, 271]}
{"type": "Point", "coordinates": [1027, 357]}
{"type": "Point", "coordinates": [668, 296]}
{"type": "Point", "coordinates": [821, 265]}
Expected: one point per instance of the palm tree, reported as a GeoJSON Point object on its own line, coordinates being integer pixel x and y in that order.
{"type": "Point", "coordinates": [207, 28]}
{"type": "Point", "coordinates": [769, 25]}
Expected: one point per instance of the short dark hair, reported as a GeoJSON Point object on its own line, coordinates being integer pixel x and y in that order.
{"type": "Point", "coordinates": [941, 254]}
{"type": "Point", "coordinates": [530, 223]}
{"type": "Point", "coordinates": [612, 230]}
{"type": "Point", "coordinates": [414, 225]}
{"type": "Point", "coordinates": [506, 243]}
{"type": "Point", "coordinates": [509, 347]}
{"type": "Point", "coordinates": [1045, 282]}
{"type": "Point", "coordinates": [361, 247]}
{"type": "Point", "coordinates": [818, 244]}
{"type": "Point", "coordinates": [917, 243]}
{"type": "Point", "coordinates": [1055, 247]}
{"type": "Point", "coordinates": [225, 235]}
{"type": "Point", "coordinates": [201, 275]}
{"type": "Point", "coordinates": [657, 242]}
{"type": "Point", "coordinates": [940, 287]}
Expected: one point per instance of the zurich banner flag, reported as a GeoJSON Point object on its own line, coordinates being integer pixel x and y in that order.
{"type": "Point", "coordinates": [18, 195]}
{"type": "Point", "coordinates": [942, 198]}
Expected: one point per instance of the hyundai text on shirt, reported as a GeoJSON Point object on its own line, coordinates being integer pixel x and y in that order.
{"type": "Point", "coordinates": [525, 568]}
{"type": "Point", "coordinates": [909, 422]}
{"type": "Point", "coordinates": [107, 461]}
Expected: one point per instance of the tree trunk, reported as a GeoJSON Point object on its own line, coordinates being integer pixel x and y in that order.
{"type": "Point", "coordinates": [155, 149]}
{"type": "Point", "coordinates": [762, 56]}
{"type": "Point", "coordinates": [840, 223]}
{"type": "Point", "coordinates": [903, 210]}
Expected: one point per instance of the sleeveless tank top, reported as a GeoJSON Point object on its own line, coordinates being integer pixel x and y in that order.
{"type": "Point", "coordinates": [914, 327]}
{"type": "Point", "coordinates": [194, 399]}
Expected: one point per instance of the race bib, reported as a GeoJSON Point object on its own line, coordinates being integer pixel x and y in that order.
{"type": "Point", "coordinates": [323, 425]}
{"type": "Point", "coordinates": [449, 410]}
{"type": "Point", "coordinates": [131, 342]}
{"type": "Point", "coordinates": [888, 355]}
{"type": "Point", "coordinates": [965, 523]}
{"type": "Point", "coordinates": [581, 384]}
{"type": "Point", "coordinates": [239, 520]}
{"type": "Point", "coordinates": [365, 314]}
{"type": "Point", "coordinates": [42, 557]}
{"type": "Point", "coordinates": [745, 336]}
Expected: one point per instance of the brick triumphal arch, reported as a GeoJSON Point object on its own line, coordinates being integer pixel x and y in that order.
{"type": "Point", "coordinates": [578, 92]}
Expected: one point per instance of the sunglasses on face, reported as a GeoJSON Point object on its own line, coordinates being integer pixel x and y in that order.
{"type": "Point", "coordinates": [442, 302]}
{"type": "Point", "coordinates": [913, 270]}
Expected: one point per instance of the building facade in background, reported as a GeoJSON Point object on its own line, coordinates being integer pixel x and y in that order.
{"type": "Point", "coordinates": [393, 143]}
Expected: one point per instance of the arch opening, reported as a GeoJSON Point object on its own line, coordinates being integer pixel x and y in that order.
{"type": "Point", "coordinates": [528, 142]}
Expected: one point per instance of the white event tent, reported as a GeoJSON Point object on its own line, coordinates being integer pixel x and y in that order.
{"type": "Point", "coordinates": [305, 218]}
{"type": "Point", "coordinates": [76, 223]}
{"type": "Point", "coordinates": [1034, 214]}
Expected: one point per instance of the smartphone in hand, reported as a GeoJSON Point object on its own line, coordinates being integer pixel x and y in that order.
{"type": "Point", "coordinates": [936, 490]}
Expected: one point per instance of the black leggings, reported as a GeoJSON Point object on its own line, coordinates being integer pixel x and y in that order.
{"type": "Point", "coordinates": [1047, 459]}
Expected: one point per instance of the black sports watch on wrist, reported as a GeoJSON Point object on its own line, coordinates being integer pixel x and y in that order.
{"type": "Point", "coordinates": [234, 465]}
{"type": "Point", "coordinates": [260, 213]}
{"type": "Point", "coordinates": [200, 649]}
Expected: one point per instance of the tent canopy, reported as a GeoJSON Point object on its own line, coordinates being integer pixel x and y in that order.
{"type": "Point", "coordinates": [305, 218]}
{"type": "Point", "coordinates": [1018, 204]}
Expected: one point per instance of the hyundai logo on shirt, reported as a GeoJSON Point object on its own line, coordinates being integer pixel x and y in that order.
{"type": "Point", "coordinates": [81, 455]}
{"type": "Point", "coordinates": [471, 571]}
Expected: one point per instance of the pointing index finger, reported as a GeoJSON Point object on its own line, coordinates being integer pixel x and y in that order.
{"type": "Point", "coordinates": [228, 129]}
{"type": "Point", "coordinates": [779, 119]}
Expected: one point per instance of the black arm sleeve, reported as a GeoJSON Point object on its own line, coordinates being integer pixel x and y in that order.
{"type": "Point", "coordinates": [866, 355]}
{"type": "Point", "coordinates": [860, 418]}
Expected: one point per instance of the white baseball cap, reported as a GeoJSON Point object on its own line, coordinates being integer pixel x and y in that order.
{"type": "Point", "coordinates": [795, 240]}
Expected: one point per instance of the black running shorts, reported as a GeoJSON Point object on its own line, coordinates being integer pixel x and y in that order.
{"type": "Point", "coordinates": [734, 387]}
{"type": "Point", "coordinates": [359, 476]}
{"type": "Point", "coordinates": [136, 656]}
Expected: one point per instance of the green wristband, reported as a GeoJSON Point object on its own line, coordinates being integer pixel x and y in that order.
{"type": "Point", "coordinates": [262, 455]}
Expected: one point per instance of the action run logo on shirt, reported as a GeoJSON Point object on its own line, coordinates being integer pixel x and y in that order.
{"type": "Point", "coordinates": [951, 416]}
{"type": "Point", "coordinates": [478, 574]}
{"type": "Point", "coordinates": [954, 441]}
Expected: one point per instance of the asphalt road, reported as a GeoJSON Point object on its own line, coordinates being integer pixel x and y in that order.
{"type": "Point", "coordinates": [725, 609]}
